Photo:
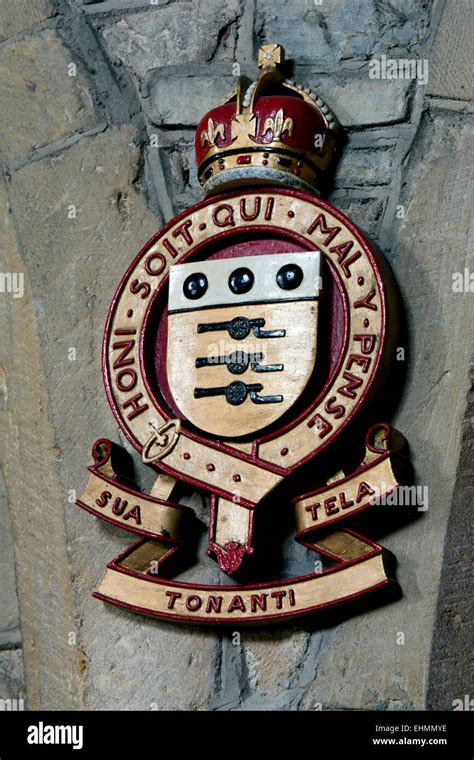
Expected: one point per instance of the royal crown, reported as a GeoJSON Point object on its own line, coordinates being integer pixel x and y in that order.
{"type": "Point", "coordinates": [272, 131]}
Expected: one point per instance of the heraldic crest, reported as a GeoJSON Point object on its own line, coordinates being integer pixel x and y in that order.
{"type": "Point", "coordinates": [244, 350]}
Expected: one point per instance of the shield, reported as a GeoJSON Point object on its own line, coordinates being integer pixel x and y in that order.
{"type": "Point", "coordinates": [242, 338]}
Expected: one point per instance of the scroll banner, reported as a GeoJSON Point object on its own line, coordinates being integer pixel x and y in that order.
{"type": "Point", "coordinates": [112, 501]}
{"type": "Point", "coordinates": [380, 474]}
{"type": "Point", "coordinates": [135, 579]}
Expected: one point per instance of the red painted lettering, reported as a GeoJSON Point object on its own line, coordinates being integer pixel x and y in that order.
{"type": "Point", "coordinates": [322, 424]}
{"type": "Point", "coordinates": [345, 503]}
{"type": "Point", "coordinates": [341, 252]}
{"type": "Point", "coordinates": [134, 514]}
{"type": "Point", "coordinates": [173, 595]}
{"type": "Point", "coordinates": [278, 595]}
{"type": "Point", "coordinates": [122, 361]}
{"type": "Point", "coordinates": [237, 603]}
{"type": "Point", "coordinates": [136, 286]}
{"type": "Point", "coordinates": [258, 600]}
{"type": "Point", "coordinates": [361, 361]}
{"type": "Point", "coordinates": [183, 231]}
{"type": "Point", "coordinates": [269, 209]}
{"type": "Point", "coordinates": [135, 405]}
{"type": "Point", "coordinates": [352, 384]}
{"type": "Point", "coordinates": [365, 303]}
{"type": "Point", "coordinates": [367, 343]}
{"type": "Point", "coordinates": [125, 331]}
{"type": "Point", "coordinates": [193, 602]}
{"type": "Point", "coordinates": [363, 491]}
{"type": "Point", "coordinates": [214, 604]}
{"type": "Point", "coordinates": [330, 506]}
{"type": "Point", "coordinates": [124, 385]}
{"type": "Point", "coordinates": [169, 247]}
{"type": "Point", "coordinates": [320, 222]}
{"type": "Point", "coordinates": [119, 506]}
{"type": "Point", "coordinates": [155, 269]}
{"type": "Point", "coordinates": [336, 409]}
{"type": "Point", "coordinates": [249, 217]}
{"type": "Point", "coordinates": [313, 508]}
{"type": "Point", "coordinates": [103, 499]}
{"type": "Point", "coordinates": [226, 219]}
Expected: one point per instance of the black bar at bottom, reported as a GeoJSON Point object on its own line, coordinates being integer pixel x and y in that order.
{"type": "Point", "coordinates": [151, 733]}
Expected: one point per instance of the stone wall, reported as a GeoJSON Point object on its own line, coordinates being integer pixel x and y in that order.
{"type": "Point", "coordinates": [100, 102]}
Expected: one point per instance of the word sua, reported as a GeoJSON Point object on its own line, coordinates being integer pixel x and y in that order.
{"type": "Point", "coordinates": [119, 507]}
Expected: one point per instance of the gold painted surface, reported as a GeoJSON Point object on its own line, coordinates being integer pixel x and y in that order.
{"type": "Point", "coordinates": [144, 556]}
{"type": "Point", "coordinates": [343, 545]}
{"type": "Point", "coordinates": [380, 478]}
{"type": "Point", "coordinates": [154, 518]}
{"type": "Point", "coordinates": [317, 590]}
{"type": "Point", "coordinates": [296, 352]}
{"type": "Point", "coordinates": [163, 486]}
{"type": "Point", "coordinates": [232, 523]}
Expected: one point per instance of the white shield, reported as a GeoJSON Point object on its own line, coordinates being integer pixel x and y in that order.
{"type": "Point", "coordinates": [242, 338]}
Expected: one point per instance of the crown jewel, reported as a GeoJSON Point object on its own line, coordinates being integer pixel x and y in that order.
{"type": "Point", "coordinates": [272, 131]}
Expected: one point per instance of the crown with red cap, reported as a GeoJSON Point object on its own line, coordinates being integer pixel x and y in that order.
{"type": "Point", "coordinates": [273, 132]}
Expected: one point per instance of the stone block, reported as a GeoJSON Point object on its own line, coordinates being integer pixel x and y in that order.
{"type": "Point", "coordinates": [177, 158]}
{"type": "Point", "coordinates": [342, 29]}
{"type": "Point", "coordinates": [364, 209]}
{"type": "Point", "coordinates": [452, 69]}
{"type": "Point", "coordinates": [179, 33]}
{"type": "Point", "coordinates": [357, 100]}
{"type": "Point", "coordinates": [41, 103]}
{"type": "Point", "coordinates": [183, 100]}
{"type": "Point", "coordinates": [23, 15]}
{"type": "Point", "coordinates": [361, 167]}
